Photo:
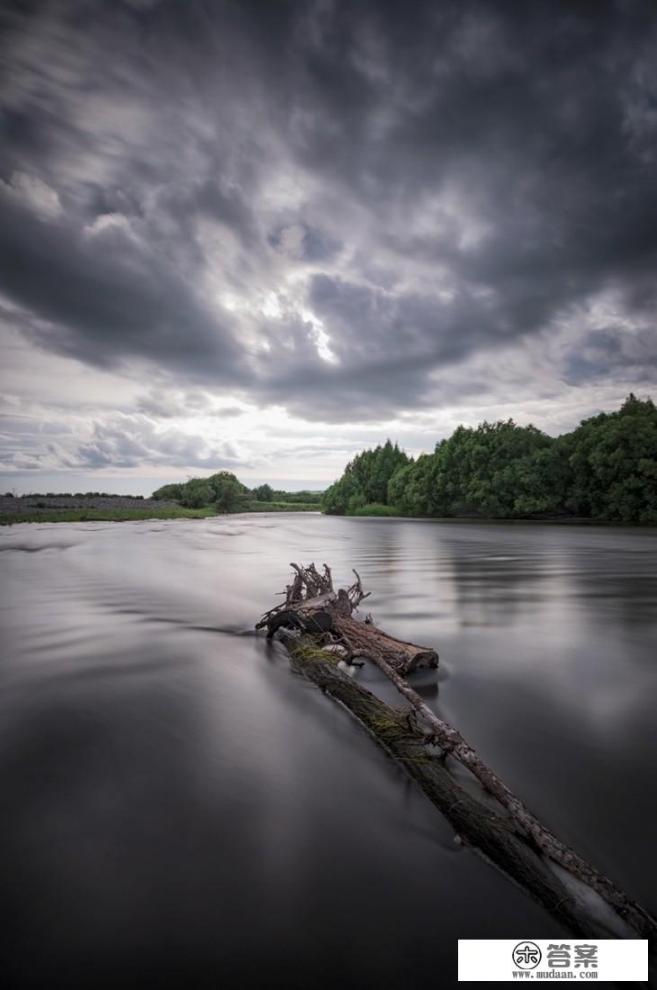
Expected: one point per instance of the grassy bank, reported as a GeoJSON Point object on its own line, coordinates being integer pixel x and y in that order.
{"type": "Point", "coordinates": [376, 509]}
{"type": "Point", "coordinates": [127, 515]}
{"type": "Point", "coordinates": [103, 515]}
{"type": "Point", "coordinates": [256, 506]}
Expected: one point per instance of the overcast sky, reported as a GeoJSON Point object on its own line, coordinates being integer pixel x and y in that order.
{"type": "Point", "coordinates": [263, 235]}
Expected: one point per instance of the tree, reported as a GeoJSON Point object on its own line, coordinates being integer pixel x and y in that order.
{"type": "Point", "coordinates": [196, 494]}
{"type": "Point", "coordinates": [408, 489]}
{"type": "Point", "coordinates": [228, 493]}
{"type": "Point", "coordinates": [365, 480]}
{"type": "Point", "coordinates": [173, 492]}
{"type": "Point", "coordinates": [222, 490]}
{"type": "Point", "coordinates": [612, 464]}
{"type": "Point", "coordinates": [264, 493]}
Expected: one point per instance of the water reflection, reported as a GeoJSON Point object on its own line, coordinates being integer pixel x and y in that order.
{"type": "Point", "coordinates": [182, 809]}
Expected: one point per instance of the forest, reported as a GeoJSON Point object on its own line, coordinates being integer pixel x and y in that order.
{"type": "Point", "coordinates": [605, 469]}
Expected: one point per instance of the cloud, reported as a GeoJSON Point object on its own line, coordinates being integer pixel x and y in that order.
{"type": "Point", "coordinates": [355, 211]}
{"type": "Point", "coordinates": [298, 241]}
{"type": "Point", "coordinates": [34, 193]}
{"type": "Point", "coordinates": [109, 298]}
{"type": "Point", "coordinates": [160, 403]}
{"type": "Point", "coordinates": [114, 441]}
{"type": "Point", "coordinates": [133, 441]}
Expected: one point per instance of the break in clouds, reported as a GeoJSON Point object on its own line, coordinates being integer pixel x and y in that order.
{"type": "Point", "coordinates": [263, 235]}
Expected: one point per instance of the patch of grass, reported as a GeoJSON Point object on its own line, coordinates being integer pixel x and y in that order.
{"type": "Point", "coordinates": [166, 512]}
{"type": "Point", "coordinates": [376, 509]}
{"type": "Point", "coordinates": [105, 515]}
{"type": "Point", "coordinates": [255, 506]}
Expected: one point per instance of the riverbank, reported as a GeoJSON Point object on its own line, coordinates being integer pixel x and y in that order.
{"type": "Point", "coordinates": [119, 508]}
{"type": "Point", "coordinates": [103, 515]}
{"type": "Point", "coordinates": [376, 511]}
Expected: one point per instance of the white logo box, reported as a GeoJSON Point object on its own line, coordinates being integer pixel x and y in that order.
{"type": "Point", "coordinates": [584, 960]}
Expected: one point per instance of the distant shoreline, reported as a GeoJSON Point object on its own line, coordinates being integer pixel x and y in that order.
{"type": "Point", "coordinates": [115, 508]}
{"type": "Point", "coordinates": [148, 510]}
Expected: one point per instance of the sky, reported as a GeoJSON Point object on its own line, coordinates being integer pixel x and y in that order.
{"type": "Point", "coordinates": [261, 236]}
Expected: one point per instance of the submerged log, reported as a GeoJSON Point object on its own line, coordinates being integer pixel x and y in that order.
{"type": "Point", "coordinates": [321, 628]}
{"type": "Point", "coordinates": [473, 822]}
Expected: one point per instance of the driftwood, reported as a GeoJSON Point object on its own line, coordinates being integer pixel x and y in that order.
{"type": "Point", "coordinates": [323, 631]}
{"type": "Point", "coordinates": [312, 605]}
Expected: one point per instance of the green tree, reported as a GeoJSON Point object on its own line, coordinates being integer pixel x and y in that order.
{"type": "Point", "coordinates": [229, 494]}
{"type": "Point", "coordinates": [487, 471]}
{"type": "Point", "coordinates": [365, 480]}
{"type": "Point", "coordinates": [222, 490]}
{"type": "Point", "coordinates": [196, 493]}
{"type": "Point", "coordinates": [612, 464]}
{"type": "Point", "coordinates": [408, 489]}
{"type": "Point", "coordinates": [173, 492]}
{"type": "Point", "coordinates": [263, 493]}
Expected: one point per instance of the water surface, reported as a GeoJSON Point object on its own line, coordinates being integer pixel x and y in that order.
{"type": "Point", "coordinates": [179, 809]}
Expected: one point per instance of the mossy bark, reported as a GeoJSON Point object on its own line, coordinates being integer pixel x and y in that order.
{"type": "Point", "coordinates": [476, 823]}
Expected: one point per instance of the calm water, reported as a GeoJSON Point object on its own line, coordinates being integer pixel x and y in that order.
{"type": "Point", "coordinates": [181, 810]}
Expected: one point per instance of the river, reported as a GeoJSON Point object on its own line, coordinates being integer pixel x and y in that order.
{"type": "Point", "coordinates": [179, 809]}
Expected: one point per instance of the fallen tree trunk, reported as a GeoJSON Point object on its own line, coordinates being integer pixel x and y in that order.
{"type": "Point", "coordinates": [312, 605]}
{"type": "Point", "coordinates": [452, 743]}
{"type": "Point", "coordinates": [319, 627]}
{"type": "Point", "coordinates": [474, 823]}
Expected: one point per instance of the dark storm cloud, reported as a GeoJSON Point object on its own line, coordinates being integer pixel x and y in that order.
{"type": "Point", "coordinates": [109, 298]}
{"type": "Point", "coordinates": [419, 183]}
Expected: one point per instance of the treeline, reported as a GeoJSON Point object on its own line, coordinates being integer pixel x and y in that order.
{"type": "Point", "coordinates": [606, 469]}
{"type": "Point", "coordinates": [225, 493]}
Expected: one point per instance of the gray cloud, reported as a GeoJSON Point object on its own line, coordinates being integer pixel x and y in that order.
{"type": "Point", "coordinates": [328, 205]}
{"type": "Point", "coordinates": [108, 299]}
{"type": "Point", "coordinates": [161, 403]}
{"type": "Point", "coordinates": [132, 441]}
{"type": "Point", "coordinates": [119, 441]}
{"type": "Point", "coordinates": [605, 353]}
